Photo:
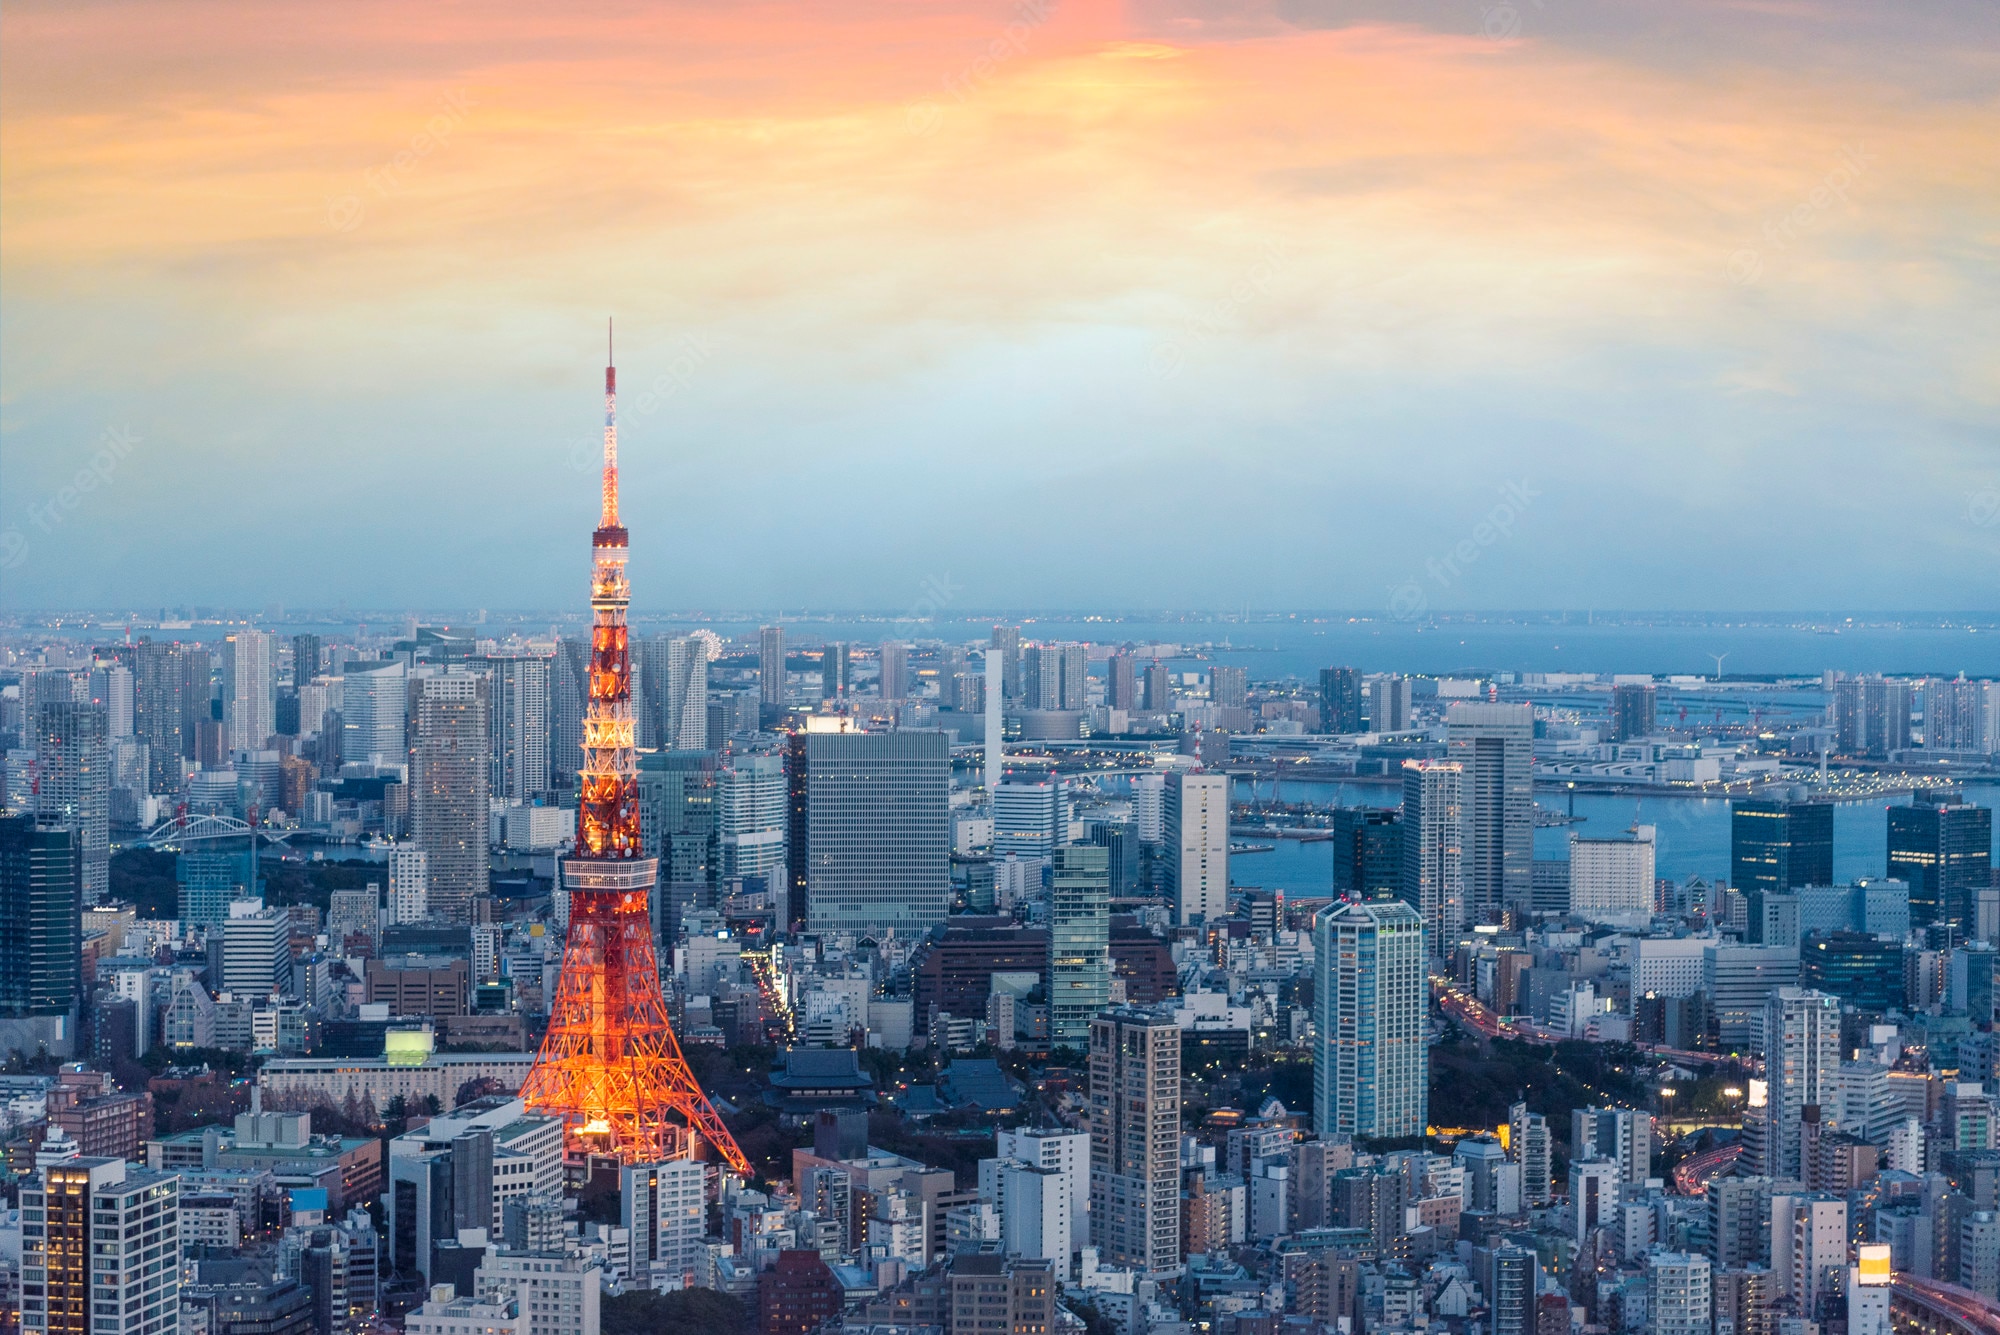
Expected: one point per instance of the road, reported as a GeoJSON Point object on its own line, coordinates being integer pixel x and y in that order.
{"type": "Point", "coordinates": [1692, 1175]}
{"type": "Point", "coordinates": [1969, 1311]}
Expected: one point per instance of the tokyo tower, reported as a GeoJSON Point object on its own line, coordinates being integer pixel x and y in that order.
{"type": "Point", "coordinates": [610, 1066]}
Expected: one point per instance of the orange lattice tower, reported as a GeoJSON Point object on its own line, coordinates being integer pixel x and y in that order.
{"type": "Point", "coordinates": [610, 1066]}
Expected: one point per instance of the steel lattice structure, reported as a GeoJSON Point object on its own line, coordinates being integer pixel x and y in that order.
{"type": "Point", "coordinates": [610, 1066]}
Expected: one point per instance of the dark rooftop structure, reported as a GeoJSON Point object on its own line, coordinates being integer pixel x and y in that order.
{"type": "Point", "coordinates": [815, 1079]}
{"type": "Point", "coordinates": [978, 1082]}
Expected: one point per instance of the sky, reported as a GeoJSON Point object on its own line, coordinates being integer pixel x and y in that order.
{"type": "Point", "coordinates": [1175, 303]}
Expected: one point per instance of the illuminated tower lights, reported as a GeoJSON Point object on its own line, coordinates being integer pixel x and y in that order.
{"type": "Point", "coordinates": [610, 1066]}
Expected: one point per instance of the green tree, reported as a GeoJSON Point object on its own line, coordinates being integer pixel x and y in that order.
{"type": "Point", "coordinates": [682, 1312]}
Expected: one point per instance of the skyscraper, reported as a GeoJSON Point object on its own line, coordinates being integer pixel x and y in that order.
{"type": "Point", "coordinates": [1079, 941]}
{"type": "Point", "coordinates": [878, 830]}
{"type": "Point", "coordinates": [1943, 848]}
{"type": "Point", "coordinates": [1228, 687]}
{"type": "Point", "coordinates": [569, 695]}
{"type": "Point", "coordinates": [74, 756]}
{"type": "Point", "coordinates": [750, 811]}
{"type": "Point", "coordinates": [1197, 839]}
{"type": "Point", "coordinates": [1389, 705]}
{"type": "Point", "coordinates": [1632, 705]}
{"type": "Point", "coordinates": [1495, 745]}
{"type": "Point", "coordinates": [1367, 852]}
{"type": "Point", "coordinates": [1433, 880]}
{"type": "Point", "coordinates": [684, 720]}
{"type": "Point", "coordinates": [771, 667]}
{"type": "Point", "coordinates": [1777, 847]}
{"type": "Point", "coordinates": [374, 703]}
{"type": "Point", "coordinates": [41, 935]}
{"type": "Point", "coordinates": [450, 768]}
{"type": "Point", "coordinates": [1135, 1129]}
{"type": "Point", "coordinates": [74, 1287]}
{"type": "Point", "coordinates": [163, 687]}
{"type": "Point", "coordinates": [1121, 682]}
{"type": "Point", "coordinates": [1340, 700]}
{"type": "Point", "coordinates": [1159, 688]}
{"type": "Point", "coordinates": [1801, 1048]}
{"type": "Point", "coordinates": [834, 681]}
{"type": "Point", "coordinates": [249, 689]}
{"type": "Point", "coordinates": [1007, 639]}
{"type": "Point", "coordinates": [1041, 677]}
{"type": "Point", "coordinates": [1028, 818]}
{"type": "Point", "coordinates": [307, 656]}
{"type": "Point", "coordinates": [517, 724]}
{"type": "Point", "coordinates": [1371, 1069]}
{"type": "Point", "coordinates": [895, 675]}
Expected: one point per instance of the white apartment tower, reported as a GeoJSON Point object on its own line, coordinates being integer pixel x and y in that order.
{"type": "Point", "coordinates": [1197, 839]}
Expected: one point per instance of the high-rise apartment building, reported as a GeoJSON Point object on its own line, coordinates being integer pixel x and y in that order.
{"type": "Point", "coordinates": [1054, 676]}
{"type": "Point", "coordinates": [569, 696]}
{"type": "Point", "coordinates": [877, 829]}
{"type": "Point", "coordinates": [517, 725]}
{"type": "Point", "coordinates": [1197, 840]}
{"type": "Point", "coordinates": [1135, 1131]}
{"type": "Point", "coordinates": [1632, 709]}
{"type": "Point", "coordinates": [409, 884]}
{"type": "Point", "coordinates": [111, 688]}
{"type": "Point", "coordinates": [1371, 996]}
{"type": "Point", "coordinates": [1494, 744]}
{"type": "Point", "coordinates": [1007, 640]}
{"type": "Point", "coordinates": [1678, 1296]}
{"type": "Point", "coordinates": [1159, 683]}
{"type": "Point", "coordinates": [450, 767]}
{"type": "Point", "coordinates": [1622, 1135]}
{"type": "Point", "coordinates": [1340, 700]}
{"type": "Point", "coordinates": [41, 907]}
{"type": "Point", "coordinates": [374, 703]}
{"type": "Point", "coordinates": [1389, 704]}
{"type": "Point", "coordinates": [73, 756]}
{"type": "Point", "coordinates": [771, 667]}
{"type": "Point", "coordinates": [1433, 873]}
{"type": "Point", "coordinates": [665, 1210]}
{"type": "Point", "coordinates": [750, 817]}
{"type": "Point", "coordinates": [1871, 716]}
{"type": "Point", "coordinates": [1121, 682]}
{"type": "Point", "coordinates": [1530, 1143]}
{"type": "Point", "coordinates": [73, 1282]}
{"type": "Point", "coordinates": [1228, 687]}
{"type": "Point", "coordinates": [308, 655]}
{"type": "Point", "coordinates": [249, 689]}
{"type": "Point", "coordinates": [834, 678]}
{"type": "Point", "coordinates": [1777, 847]}
{"type": "Point", "coordinates": [684, 720]}
{"type": "Point", "coordinates": [168, 679]}
{"type": "Point", "coordinates": [1079, 941]}
{"type": "Point", "coordinates": [1944, 849]}
{"type": "Point", "coordinates": [1801, 1049]}
{"type": "Point", "coordinates": [893, 680]}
